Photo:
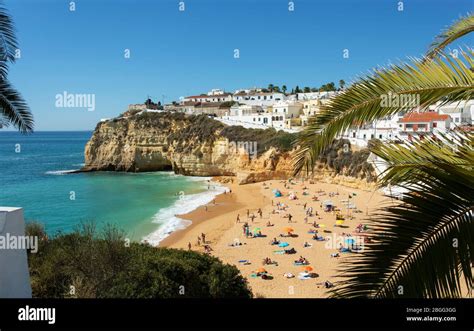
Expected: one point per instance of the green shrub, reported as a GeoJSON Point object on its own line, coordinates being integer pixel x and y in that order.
{"type": "Point", "coordinates": [101, 265]}
{"type": "Point", "coordinates": [347, 162]}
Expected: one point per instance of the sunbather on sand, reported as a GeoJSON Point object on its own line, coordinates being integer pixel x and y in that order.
{"type": "Point", "coordinates": [274, 241]}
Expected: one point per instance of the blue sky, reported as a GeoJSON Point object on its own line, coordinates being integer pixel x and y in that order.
{"type": "Point", "coordinates": [174, 53]}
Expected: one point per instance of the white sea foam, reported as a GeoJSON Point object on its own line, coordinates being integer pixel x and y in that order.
{"type": "Point", "coordinates": [60, 172]}
{"type": "Point", "coordinates": [167, 219]}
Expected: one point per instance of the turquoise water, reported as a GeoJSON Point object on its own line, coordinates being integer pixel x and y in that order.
{"type": "Point", "coordinates": [33, 175]}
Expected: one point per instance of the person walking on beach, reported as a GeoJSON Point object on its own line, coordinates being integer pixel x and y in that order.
{"type": "Point", "coordinates": [203, 236]}
{"type": "Point", "coordinates": [248, 213]}
{"type": "Point", "coordinates": [189, 246]}
{"type": "Point", "coordinates": [199, 241]}
{"type": "Point", "coordinates": [238, 218]}
{"type": "Point", "coordinates": [252, 217]}
{"type": "Point", "coordinates": [260, 212]}
{"type": "Point", "coordinates": [289, 218]}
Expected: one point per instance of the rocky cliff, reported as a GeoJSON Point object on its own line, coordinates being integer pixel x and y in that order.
{"type": "Point", "coordinates": [200, 146]}
{"type": "Point", "coordinates": [188, 145]}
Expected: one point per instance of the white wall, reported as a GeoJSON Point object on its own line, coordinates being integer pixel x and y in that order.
{"type": "Point", "coordinates": [14, 274]}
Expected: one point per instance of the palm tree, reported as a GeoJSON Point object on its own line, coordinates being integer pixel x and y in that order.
{"type": "Point", "coordinates": [270, 87]}
{"type": "Point", "coordinates": [284, 88]}
{"type": "Point", "coordinates": [342, 83]}
{"type": "Point", "coordinates": [13, 109]}
{"type": "Point", "coordinates": [424, 246]}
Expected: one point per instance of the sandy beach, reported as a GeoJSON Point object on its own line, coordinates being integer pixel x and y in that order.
{"type": "Point", "coordinates": [228, 241]}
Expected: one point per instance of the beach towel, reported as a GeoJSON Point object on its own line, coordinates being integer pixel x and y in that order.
{"type": "Point", "coordinates": [300, 263]}
{"type": "Point", "coordinates": [279, 252]}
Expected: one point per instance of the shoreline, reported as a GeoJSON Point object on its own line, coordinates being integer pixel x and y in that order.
{"type": "Point", "coordinates": [218, 218]}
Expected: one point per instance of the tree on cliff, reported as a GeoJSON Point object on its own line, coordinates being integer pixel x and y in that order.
{"type": "Point", "coordinates": [13, 109]}
{"type": "Point", "coordinates": [91, 264]}
{"type": "Point", "coordinates": [423, 246]}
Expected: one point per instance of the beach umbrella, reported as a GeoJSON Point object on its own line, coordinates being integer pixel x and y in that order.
{"type": "Point", "coordinates": [349, 241]}
{"type": "Point", "coordinates": [261, 270]}
{"type": "Point", "coordinates": [308, 268]}
{"type": "Point", "coordinates": [283, 244]}
{"type": "Point", "coordinates": [257, 229]}
{"type": "Point", "coordinates": [288, 229]}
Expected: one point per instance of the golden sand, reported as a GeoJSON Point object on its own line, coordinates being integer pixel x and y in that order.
{"type": "Point", "coordinates": [219, 225]}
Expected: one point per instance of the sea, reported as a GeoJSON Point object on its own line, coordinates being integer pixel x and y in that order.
{"type": "Point", "coordinates": [36, 174]}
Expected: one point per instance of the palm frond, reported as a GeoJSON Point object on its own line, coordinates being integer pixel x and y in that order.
{"type": "Point", "coordinates": [423, 246]}
{"type": "Point", "coordinates": [404, 160]}
{"type": "Point", "coordinates": [13, 109]}
{"type": "Point", "coordinates": [8, 42]}
{"type": "Point", "coordinates": [460, 28]}
{"type": "Point", "coordinates": [445, 79]}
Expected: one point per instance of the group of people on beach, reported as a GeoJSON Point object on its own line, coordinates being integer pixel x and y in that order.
{"type": "Point", "coordinates": [278, 207]}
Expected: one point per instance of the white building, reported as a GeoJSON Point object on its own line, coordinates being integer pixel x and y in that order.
{"type": "Point", "coordinates": [216, 91]}
{"type": "Point", "coordinates": [461, 113]}
{"type": "Point", "coordinates": [14, 275]}
{"type": "Point", "coordinates": [418, 125]}
{"type": "Point", "coordinates": [263, 99]}
{"type": "Point", "coordinates": [256, 116]}
{"type": "Point", "coordinates": [208, 98]}
{"type": "Point", "coordinates": [290, 109]}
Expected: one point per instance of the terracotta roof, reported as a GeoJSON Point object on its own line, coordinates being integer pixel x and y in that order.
{"type": "Point", "coordinates": [423, 117]}
{"type": "Point", "coordinates": [208, 96]}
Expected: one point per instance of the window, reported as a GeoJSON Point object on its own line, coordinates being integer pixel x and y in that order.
{"type": "Point", "coordinates": [456, 119]}
{"type": "Point", "coordinates": [380, 136]}
{"type": "Point", "coordinates": [435, 124]}
{"type": "Point", "coordinates": [353, 134]}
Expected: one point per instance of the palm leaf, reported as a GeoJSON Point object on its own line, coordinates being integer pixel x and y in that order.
{"type": "Point", "coordinates": [13, 109]}
{"type": "Point", "coordinates": [8, 42]}
{"type": "Point", "coordinates": [423, 247]}
{"type": "Point", "coordinates": [444, 79]}
{"type": "Point", "coordinates": [421, 153]}
{"type": "Point", "coordinates": [460, 28]}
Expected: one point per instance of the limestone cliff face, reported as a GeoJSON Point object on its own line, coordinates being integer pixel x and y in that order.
{"type": "Point", "coordinates": [194, 146]}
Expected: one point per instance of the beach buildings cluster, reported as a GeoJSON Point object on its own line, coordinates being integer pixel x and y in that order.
{"type": "Point", "coordinates": [264, 108]}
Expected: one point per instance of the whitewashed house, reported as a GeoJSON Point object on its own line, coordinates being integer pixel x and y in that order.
{"type": "Point", "coordinates": [208, 98]}
{"type": "Point", "coordinates": [263, 99]}
{"type": "Point", "coordinates": [291, 109]}
{"type": "Point", "coordinates": [419, 125]}
{"type": "Point", "coordinates": [461, 113]}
